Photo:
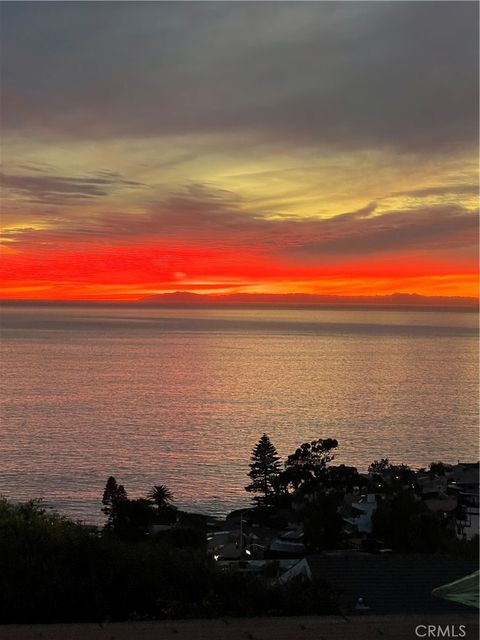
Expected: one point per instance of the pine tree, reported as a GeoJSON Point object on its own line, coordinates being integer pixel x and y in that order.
{"type": "Point", "coordinates": [264, 469]}
{"type": "Point", "coordinates": [113, 495]}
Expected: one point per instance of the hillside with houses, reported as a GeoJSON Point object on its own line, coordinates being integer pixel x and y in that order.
{"type": "Point", "coordinates": [319, 539]}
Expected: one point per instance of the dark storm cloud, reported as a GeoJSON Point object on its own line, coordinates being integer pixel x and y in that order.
{"type": "Point", "coordinates": [350, 75]}
{"type": "Point", "coordinates": [59, 190]}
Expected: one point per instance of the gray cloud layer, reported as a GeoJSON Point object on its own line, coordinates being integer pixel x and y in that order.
{"type": "Point", "coordinates": [205, 217]}
{"type": "Point", "coordinates": [62, 190]}
{"type": "Point", "coordinates": [347, 74]}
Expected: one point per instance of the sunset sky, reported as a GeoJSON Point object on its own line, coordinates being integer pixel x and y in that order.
{"type": "Point", "coordinates": [327, 148]}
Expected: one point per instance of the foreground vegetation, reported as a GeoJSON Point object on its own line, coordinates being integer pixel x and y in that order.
{"type": "Point", "coordinates": [54, 570]}
{"type": "Point", "coordinates": [150, 560]}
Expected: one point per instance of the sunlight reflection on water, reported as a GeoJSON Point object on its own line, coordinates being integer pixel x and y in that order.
{"type": "Point", "coordinates": [181, 396]}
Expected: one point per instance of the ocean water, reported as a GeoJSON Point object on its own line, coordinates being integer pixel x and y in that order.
{"type": "Point", "coordinates": [181, 396]}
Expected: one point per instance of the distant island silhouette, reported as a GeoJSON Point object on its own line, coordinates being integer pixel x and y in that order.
{"type": "Point", "coordinates": [292, 300]}
{"type": "Point", "coordinates": [304, 299]}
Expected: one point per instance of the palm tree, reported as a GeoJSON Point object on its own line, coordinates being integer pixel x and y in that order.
{"type": "Point", "coordinates": [161, 496]}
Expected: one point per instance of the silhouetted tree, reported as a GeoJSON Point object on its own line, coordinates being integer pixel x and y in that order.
{"type": "Point", "coordinates": [113, 495]}
{"type": "Point", "coordinates": [264, 469]}
{"type": "Point", "coordinates": [313, 456]}
{"type": "Point", "coordinates": [343, 478]}
{"type": "Point", "coordinates": [161, 495]}
{"type": "Point", "coordinates": [133, 519]}
{"type": "Point", "coordinates": [322, 523]}
{"type": "Point", "coordinates": [439, 468]}
{"type": "Point", "coordinates": [392, 521]}
{"type": "Point", "coordinates": [292, 477]}
{"type": "Point", "coordinates": [401, 475]}
{"type": "Point", "coordinates": [378, 466]}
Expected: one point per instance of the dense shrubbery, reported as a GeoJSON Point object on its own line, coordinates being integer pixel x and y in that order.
{"type": "Point", "coordinates": [404, 523]}
{"type": "Point", "coordinates": [54, 570]}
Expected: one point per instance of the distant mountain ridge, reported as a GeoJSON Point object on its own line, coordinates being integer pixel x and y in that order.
{"type": "Point", "coordinates": [294, 299]}
{"type": "Point", "coordinates": [305, 300]}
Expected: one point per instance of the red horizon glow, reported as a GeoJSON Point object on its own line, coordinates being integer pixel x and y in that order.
{"type": "Point", "coordinates": [134, 272]}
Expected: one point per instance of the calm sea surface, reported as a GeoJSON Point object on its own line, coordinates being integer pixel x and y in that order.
{"type": "Point", "coordinates": [181, 396]}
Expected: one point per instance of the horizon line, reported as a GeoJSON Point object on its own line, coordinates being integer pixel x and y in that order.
{"type": "Point", "coordinates": [190, 298]}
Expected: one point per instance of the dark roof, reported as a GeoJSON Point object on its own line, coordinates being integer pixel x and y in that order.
{"type": "Point", "coordinates": [390, 583]}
